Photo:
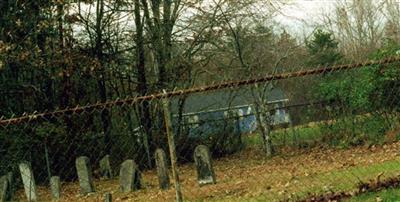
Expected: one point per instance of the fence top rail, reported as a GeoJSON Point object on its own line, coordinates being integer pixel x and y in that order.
{"type": "Point", "coordinates": [229, 84]}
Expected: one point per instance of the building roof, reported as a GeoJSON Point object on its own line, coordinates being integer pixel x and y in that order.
{"type": "Point", "coordinates": [219, 99]}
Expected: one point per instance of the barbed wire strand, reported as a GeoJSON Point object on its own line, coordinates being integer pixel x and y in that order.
{"type": "Point", "coordinates": [223, 85]}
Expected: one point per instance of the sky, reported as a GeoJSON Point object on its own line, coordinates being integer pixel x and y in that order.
{"type": "Point", "coordinates": [300, 16]}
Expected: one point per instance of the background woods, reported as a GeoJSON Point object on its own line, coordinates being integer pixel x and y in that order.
{"type": "Point", "coordinates": [61, 54]}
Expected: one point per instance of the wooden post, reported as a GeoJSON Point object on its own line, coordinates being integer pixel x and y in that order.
{"type": "Point", "coordinates": [172, 149]}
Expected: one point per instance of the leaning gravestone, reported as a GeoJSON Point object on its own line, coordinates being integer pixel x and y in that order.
{"type": "Point", "coordinates": [28, 181]}
{"type": "Point", "coordinates": [84, 174]}
{"type": "Point", "coordinates": [105, 167]}
{"type": "Point", "coordinates": [10, 178]}
{"type": "Point", "coordinates": [205, 171]}
{"type": "Point", "coordinates": [55, 186]}
{"type": "Point", "coordinates": [162, 169]}
{"type": "Point", "coordinates": [11, 186]}
{"type": "Point", "coordinates": [4, 188]}
{"type": "Point", "coordinates": [129, 176]}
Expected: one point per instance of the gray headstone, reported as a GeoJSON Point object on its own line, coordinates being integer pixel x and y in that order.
{"type": "Point", "coordinates": [10, 178]}
{"type": "Point", "coordinates": [107, 197]}
{"type": "Point", "coordinates": [4, 188]}
{"type": "Point", "coordinates": [105, 167]}
{"type": "Point", "coordinates": [28, 181]}
{"type": "Point", "coordinates": [129, 176]}
{"type": "Point", "coordinates": [84, 174]}
{"type": "Point", "coordinates": [55, 186]}
{"type": "Point", "coordinates": [162, 169]}
{"type": "Point", "coordinates": [11, 186]}
{"type": "Point", "coordinates": [205, 171]}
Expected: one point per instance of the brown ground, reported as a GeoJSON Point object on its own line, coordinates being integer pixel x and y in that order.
{"type": "Point", "coordinates": [248, 176]}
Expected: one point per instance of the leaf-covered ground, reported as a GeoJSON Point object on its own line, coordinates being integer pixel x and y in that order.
{"type": "Point", "coordinates": [248, 176]}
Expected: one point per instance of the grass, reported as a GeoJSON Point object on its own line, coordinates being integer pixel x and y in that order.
{"type": "Point", "coordinates": [348, 178]}
{"type": "Point", "coordinates": [390, 195]}
{"type": "Point", "coordinates": [297, 137]}
{"type": "Point", "coordinates": [339, 179]}
{"type": "Point", "coordinates": [342, 133]}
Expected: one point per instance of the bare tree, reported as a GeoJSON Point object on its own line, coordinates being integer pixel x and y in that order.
{"type": "Point", "coordinates": [391, 11]}
{"type": "Point", "coordinates": [358, 25]}
{"type": "Point", "coordinates": [239, 20]}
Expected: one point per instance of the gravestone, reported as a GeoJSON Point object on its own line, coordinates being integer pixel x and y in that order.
{"type": "Point", "coordinates": [4, 188]}
{"type": "Point", "coordinates": [105, 167]}
{"type": "Point", "coordinates": [129, 176]}
{"type": "Point", "coordinates": [84, 174]}
{"type": "Point", "coordinates": [205, 171]}
{"type": "Point", "coordinates": [11, 186]}
{"type": "Point", "coordinates": [10, 178]}
{"type": "Point", "coordinates": [107, 197]}
{"type": "Point", "coordinates": [55, 186]}
{"type": "Point", "coordinates": [162, 169]}
{"type": "Point", "coordinates": [28, 181]}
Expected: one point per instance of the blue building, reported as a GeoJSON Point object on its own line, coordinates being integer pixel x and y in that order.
{"type": "Point", "coordinates": [216, 112]}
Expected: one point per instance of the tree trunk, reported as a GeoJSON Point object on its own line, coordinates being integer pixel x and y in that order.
{"type": "Point", "coordinates": [264, 125]}
{"type": "Point", "coordinates": [101, 80]}
{"type": "Point", "coordinates": [142, 88]}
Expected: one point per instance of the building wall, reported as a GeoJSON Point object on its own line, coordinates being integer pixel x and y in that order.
{"type": "Point", "coordinates": [240, 120]}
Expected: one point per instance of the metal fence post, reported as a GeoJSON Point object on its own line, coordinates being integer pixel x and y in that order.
{"type": "Point", "coordinates": [172, 148]}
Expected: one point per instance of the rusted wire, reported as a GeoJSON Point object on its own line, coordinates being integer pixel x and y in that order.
{"type": "Point", "coordinates": [229, 84]}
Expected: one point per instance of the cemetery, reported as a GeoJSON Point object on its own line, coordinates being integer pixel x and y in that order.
{"type": "Point", "coordinates": [208, 179]}
{"type": "Point", "coordinates": [199, 100]}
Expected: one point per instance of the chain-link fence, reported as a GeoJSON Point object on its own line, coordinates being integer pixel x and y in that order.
{"type": "Point", "coordinates": [320, 134]}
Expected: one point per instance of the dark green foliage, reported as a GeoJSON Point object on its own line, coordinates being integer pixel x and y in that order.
{"type": "Point", "coordinates": [371, 93]}
{"type": "Point", "coordinates": [353, 130]}
{"type": "Point", "coordinates": [370, 88]}
{"type": "Point", "coordinates": [223, 137]}
{"type": "Point", "coordinates": [44, 68]}
{"type": "Point", "coordinates": [85, 137]}
{"type": "Point", "coordinates": [323, 48]}
{"type": "Point", "coordinates": [387, 92]}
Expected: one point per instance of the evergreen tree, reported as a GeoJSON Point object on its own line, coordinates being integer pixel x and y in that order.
{"type": "Point", "coordinates": [323, 49]}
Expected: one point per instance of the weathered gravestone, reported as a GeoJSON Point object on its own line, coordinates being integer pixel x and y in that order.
{"type": "Point", "coordinates": [107, 197]}
{"type": "Point", "coordinates": [205, 171]}
{"type": "Point", "coordinates": [84, 174]}
{"type": "Point", "coordinates": [28, 181]}
{"type": "Point", "coordinates": [10, 178]}
{"type": "Point", "coordinates": [4, 188]}
{"type": "Point", "coordinates": [55, 186]}
{"type": "Point", "coordinates": [11, 186]}
{"type": "Point", "coordinates": [129, 176]}
{"type": "Point", "coordinates": [162, 169]}
{"type": "Point", "coordinates": [105, 167]}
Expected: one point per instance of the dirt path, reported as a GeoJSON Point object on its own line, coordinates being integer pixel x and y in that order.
{"type": "Point", "coordinates": [249, 176]}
